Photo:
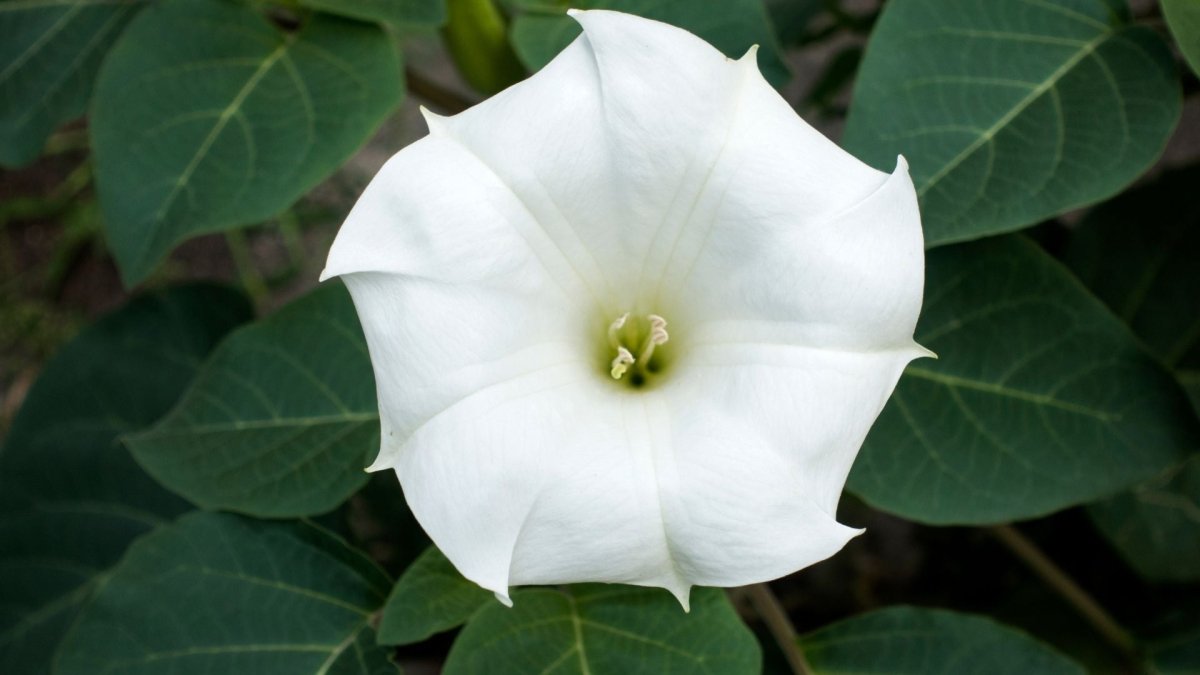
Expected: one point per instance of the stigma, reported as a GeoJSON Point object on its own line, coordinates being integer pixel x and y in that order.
{"type": "Point", "coordinates": [644, 335]}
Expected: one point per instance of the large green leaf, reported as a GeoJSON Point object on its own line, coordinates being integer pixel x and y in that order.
{"type": "Point", "coordinates": [1041, 398]}
{"type": "Point", "coordinates": [217, 593]}
{"type": "Point", "coordinates": [1138, 253]}
{"type": "Point", "coordinates": [72, 497]}
{"type": "Point", "coordinates": [1156, 526]}
{"type": "Point", "coordinates": [606, 630]}
{"type": "Point", "coordinates": [50, 51]}
{"type": "Point", "coordinates": [418, 12]}
{"type": "Point", "coordinates": [1011, 111]}
{"type": "Point", "coordinates": [430, 597]}
{"type": "Point", "coordinates": [207, 117]}
{"type": "Point", "coordinates": [732, 26]}
{"type": "Point", "coordinates": [281, 420]}
{"type": "Point", "coordinates": [1183, 16]}
{"type": "Point", "coordinates": [913, 641]}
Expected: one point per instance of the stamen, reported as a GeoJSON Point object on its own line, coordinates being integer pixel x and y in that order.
{"type": "Point", "coordinates": [614, 340]}
{"type": "Point", "coordinates": [622, 362]}
{"type": "Point", "coordinates": [658, 336]}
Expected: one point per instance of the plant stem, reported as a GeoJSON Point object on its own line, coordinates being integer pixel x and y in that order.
{"type": "Point", "coordinates": [1065, 586]}
{"type": "Point", "coordinates": [252, 281]}
{"type": "Point", "coordinates": [772, 613]}
{"type": "Point", "coordinates": [443, 100]}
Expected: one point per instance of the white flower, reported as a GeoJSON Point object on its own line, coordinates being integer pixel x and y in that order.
{"type": "Point", "coordinates": [631, 319]}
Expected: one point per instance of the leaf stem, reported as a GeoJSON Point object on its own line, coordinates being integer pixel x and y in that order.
{"type": "Point", "coordinates": [251, 280]}
{"type": "Point", "coordinates": [1058, 580]}
{"type": "Point", "coordinates": [445, 101]}
{"type": "Point", "coordinates": [769, 609]}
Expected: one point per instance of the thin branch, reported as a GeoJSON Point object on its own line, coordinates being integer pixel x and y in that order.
{"type": "Point", "coordinates": [443, 100]}
{"type": "Point", "coordinates": [1065, 586]}
{"type": "Point", "coordinates": [768, 608]}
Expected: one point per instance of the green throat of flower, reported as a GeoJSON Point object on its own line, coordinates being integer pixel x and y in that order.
{"type": "Point", "coordinates": [636, 349]}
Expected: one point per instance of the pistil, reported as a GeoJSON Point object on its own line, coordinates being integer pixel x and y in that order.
{"type": "Point", "coordinates": [622, 332]}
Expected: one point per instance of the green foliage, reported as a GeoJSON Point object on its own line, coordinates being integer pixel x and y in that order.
{"type": "Point", "coordinates": [595, 629]}
{"type": "Point", "coordinates": [1041, 398]}
{"type": "Point", "coordinates": [1010, 112]}
{"type": "Point", "coordinates": [49, 55]}
{"type": "Point", "coordinates": [913, 641]}
{"type": "Point", "coordinates": [1183, 17]}
{"type": "Point", "coordinates": [1180, 656]}
{"type": "Point", "coordinates": [208, 117]}
{"type": "Point", "coordinates": [71, 499]}
{"type": "Point", "coordinates": [430, 597]}
{"type": "Point", "coordinates": [280, 421]}
{"type": "Point", "coordinates": [402, 12]}
{"type": "Point", "coordinates": [732, 26]}
{"type": "Point", "coordinates": [1138, 254]}
{"type": "Point", "coordinates": [216, 593]}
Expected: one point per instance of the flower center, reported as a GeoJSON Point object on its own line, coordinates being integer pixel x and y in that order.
{"type": "Point", "coordinates": [632, 343]}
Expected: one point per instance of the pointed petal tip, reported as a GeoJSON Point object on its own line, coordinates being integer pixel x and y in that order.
{"type": "Point", "coordinates": [435, 122]}
{"type": "Point", "coordinates": [901, 163]}
{"type": "Point", "coordinates": [923, 353]}
{"type": "Point", "coordinates": [504, 598]}
{"type": "Point", "coordinates": [751, 55]}
{"type": "Point", "coordinates": [684, 595]}
{"type": "Point", "coordinates": [576, 13]}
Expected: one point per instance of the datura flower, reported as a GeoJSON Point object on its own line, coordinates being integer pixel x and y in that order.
{"type": "Point", "coordinates": [631, 319]}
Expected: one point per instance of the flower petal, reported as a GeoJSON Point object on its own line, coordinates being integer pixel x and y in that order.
{"type": "Point", "coordinates": [763, 439]}
{"type": "Point", "coordinates": [623, 141]}
{"type": "Point", "coordinates": [454, 289]}
{"type": "Point", "coordinates": [850, 282]}
{"type": "Point", "coordinates": [537, 481]}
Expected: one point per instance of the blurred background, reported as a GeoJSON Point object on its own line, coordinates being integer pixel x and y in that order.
{"type": "Point", "coordinates": [57, 275]}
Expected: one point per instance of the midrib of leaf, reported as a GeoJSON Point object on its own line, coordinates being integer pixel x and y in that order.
{"type": "Point", "coordinates": [242, 425]}
{"type": "Point", "coordinates": [341, 648]}
{"type": "Point", "coordinates": [152, 657]}
{"type": "Point", "coordinates": [46, 611]}
{"type": "Point", "coordinates": [40, 42]}
{"type": "Point", "coordinates": [25, 5]}
{"type": "Point", "coordinates": [988, 134]}
{"type": "Point", "coordinates": [222, 121]}
{"type": "Point", "coordinates": [955, 382]}
{"type": "Point", "coordinates": [83, 53]}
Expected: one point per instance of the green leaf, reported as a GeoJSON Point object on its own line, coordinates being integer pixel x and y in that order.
{"type": "Point", "coordinates": [1156, 526]}
{"type": "Point", "coordinates": [1183, 18]}
{"type": "Point", "coordinates": [596, 629]}
{"type": "Point", "coordinates": [207, 117]}
{"type": "Point", "coordinates": [217, 593]}
{"type": "Point", "coordinates": [1041, 399]}
{"type": "Point", "coordinates": [791, 17]}
{"type": "Point", "coordinates": [430, 597]}
{"type": "Point", "coordinates": [405, 12]}
{"type": "Point", "coordinates": [1138, 254]}
{"type": "Point", "coordinates": [732, 26]}
{"type": "Point", "coordinates": [1179, 656]}
{"type": "Point", "coordinates": [71, 498]}
{"type": "Point", "coordinates": [1010, 112]}
{"type": "Point", "coordinates": [50, 51]}
{"type": "Point", "coordinates": [914, 641]}
{"type": "Point", "coordinates": [281, 421]}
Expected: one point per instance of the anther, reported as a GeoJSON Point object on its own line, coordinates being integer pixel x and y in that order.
{"type": "Point", "coordinates": [621, 363]}
{"type": "Point", "coordinates": [658, 336]}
